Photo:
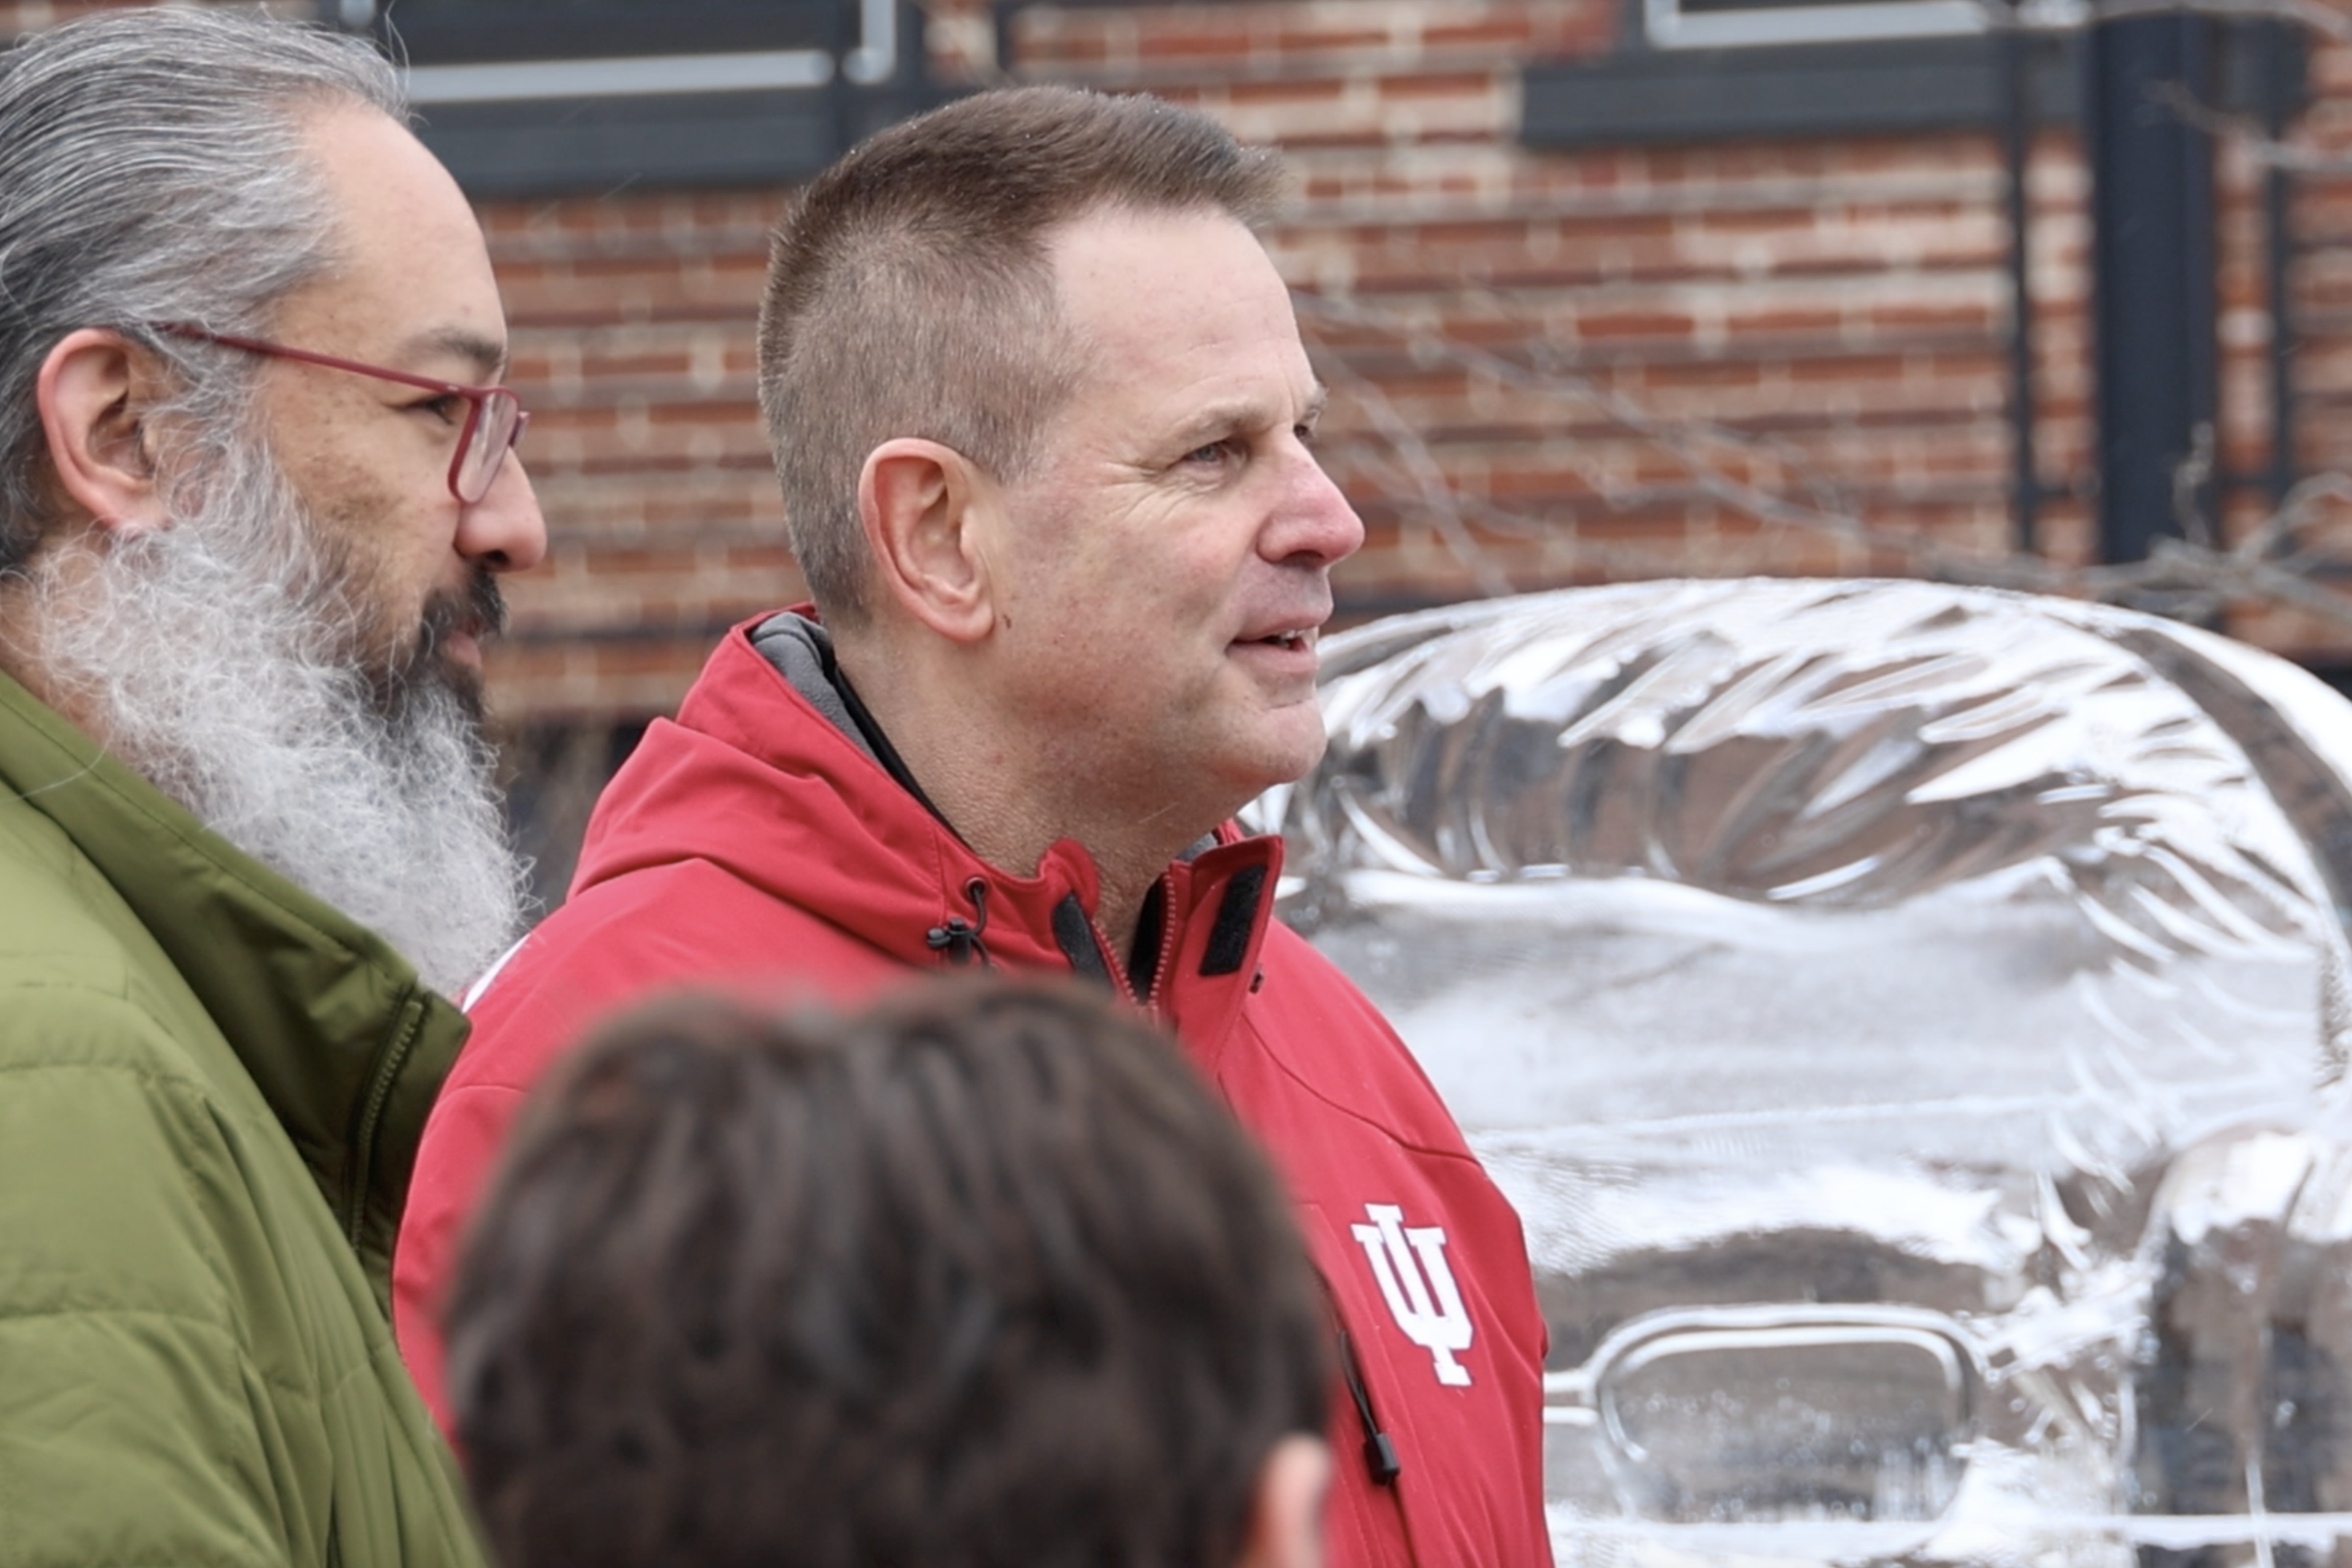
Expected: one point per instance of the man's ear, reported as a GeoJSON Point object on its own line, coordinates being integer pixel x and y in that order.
{"type": "Point", "coordinates": [915, 499]}
{"type": "Point", "coordinates": [1286, 1521]}
{"type": "Point", "coordinates": [94, 393]}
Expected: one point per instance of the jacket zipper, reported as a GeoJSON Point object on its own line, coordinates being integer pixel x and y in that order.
{"type": "Point", "coordinates": [388, 1069]}
{"type": "Point", "coordinates": [1116, 969]}
{"type": "Point", "coordinates": [1169, 936]}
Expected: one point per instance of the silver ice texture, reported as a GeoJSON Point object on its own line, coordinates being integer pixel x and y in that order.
{"type": "Point", "coordinates": [1907, 1019]}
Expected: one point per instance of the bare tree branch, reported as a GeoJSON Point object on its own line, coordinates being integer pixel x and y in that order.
{"type": "Point", "coordinates": [2246, 134]}
{"type": "Point", "coordinates": [2196, 571]}
{"type": "Point", "coordinates": [1436, 495]}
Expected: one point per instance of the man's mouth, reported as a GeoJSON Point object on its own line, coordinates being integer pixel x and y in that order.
{"type": "Point", "coordinates": [1295, 641]}
{"type": "Point", "coordinates": [476, 616]}
{"type": "Point", "coordinates": [447, 649]}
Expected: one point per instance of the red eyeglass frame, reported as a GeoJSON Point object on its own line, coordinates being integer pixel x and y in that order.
{"type": "Point", "coordinates": [477, 399]}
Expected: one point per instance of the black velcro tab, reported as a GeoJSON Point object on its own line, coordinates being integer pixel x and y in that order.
{"type": "Point", "coordinates": [1075, 935]}
{"type": "Point", "coordinates": [1236, 915]}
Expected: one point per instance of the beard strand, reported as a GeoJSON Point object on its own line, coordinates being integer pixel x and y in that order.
{"type": "Point", "coordinates": [223, 659]}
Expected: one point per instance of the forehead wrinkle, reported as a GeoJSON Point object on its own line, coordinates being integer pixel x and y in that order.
{"type": "Point", "coordinates": [1249, 412]}
{"type": "Point", "coordinates": [487, 354]}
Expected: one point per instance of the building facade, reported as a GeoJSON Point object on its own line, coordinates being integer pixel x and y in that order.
{"type": "Point", "coordinates": [1603, 289]}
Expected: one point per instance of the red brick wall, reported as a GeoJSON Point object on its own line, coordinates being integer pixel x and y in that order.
{"type": "Point", "coordinates": [1548, 368]}
{"type": "Point", "coordinates": [631, 323]}
{"type": "Point", "coordinates": [2322, 306]}
{"type": "Point", "coordinates": [1721, 332]}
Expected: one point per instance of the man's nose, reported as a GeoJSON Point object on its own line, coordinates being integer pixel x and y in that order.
{"type": "Point", "coordinates": [504, 531]}
{"type": "Point", "coordinates": [1316, 526]}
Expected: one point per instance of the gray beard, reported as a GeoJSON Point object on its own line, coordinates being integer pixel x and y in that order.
{"type": "Point", "coordinates": [218, 658]}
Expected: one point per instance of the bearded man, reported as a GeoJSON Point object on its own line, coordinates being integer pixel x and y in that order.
{"type": "Point", "coordinates": [253, 496]}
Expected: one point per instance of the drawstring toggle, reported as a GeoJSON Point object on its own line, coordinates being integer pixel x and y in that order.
{"type": "Point", "coordinates": [960, 938]}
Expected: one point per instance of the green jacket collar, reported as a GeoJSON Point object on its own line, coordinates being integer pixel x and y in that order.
{"type": "Point", "coordinates": [344, 1042]}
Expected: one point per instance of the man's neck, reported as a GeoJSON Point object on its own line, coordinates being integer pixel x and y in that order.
{"type": "Point", "coordinates": [20, 659]}
{"type": "Point", "coordinates": [1010, 821]}
{"type": "Point", "coordinates": [1008, 801]}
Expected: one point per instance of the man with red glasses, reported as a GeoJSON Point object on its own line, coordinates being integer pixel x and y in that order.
{"type": "Point", "coordinates": [257, 485]}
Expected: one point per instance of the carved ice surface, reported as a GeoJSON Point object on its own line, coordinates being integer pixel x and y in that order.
{"type": "Point", "coordinates": [1907, 1019]}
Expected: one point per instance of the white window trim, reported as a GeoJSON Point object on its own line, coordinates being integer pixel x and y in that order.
{"type": "Point", "coordinates": [1671, 29]}
{"type": "Point", "coordinates": [875, 59]}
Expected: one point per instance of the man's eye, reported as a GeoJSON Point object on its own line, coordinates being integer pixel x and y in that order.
{"type": "Point", "coordinates": [450, 409]}
{"type": "Point", "coordinates": [1214, 452]}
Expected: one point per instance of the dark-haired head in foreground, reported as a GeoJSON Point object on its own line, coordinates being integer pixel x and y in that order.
{"type": "Point", "coordinates": [984, 1277]}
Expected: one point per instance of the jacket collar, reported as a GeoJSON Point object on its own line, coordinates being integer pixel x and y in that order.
{"type": "Point", "coordinates": [758, 780]}
{"type": "Point", "coordinates": [333, 1027]}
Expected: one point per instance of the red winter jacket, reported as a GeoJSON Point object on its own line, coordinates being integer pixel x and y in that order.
{"type": "Point", "coordinates": [756, 843]}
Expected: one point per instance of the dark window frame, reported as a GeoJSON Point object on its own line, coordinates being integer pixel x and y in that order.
{"type": "Point", "coordinates": [442, 32]}
{"type": "Point", "coordinates": [1641, 96]}
{"type": "Point", "coordinates": [524, 99]}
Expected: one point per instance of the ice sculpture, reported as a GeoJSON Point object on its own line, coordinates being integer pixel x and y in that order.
{"type": "Point", "coordinates": [1907, 1018]}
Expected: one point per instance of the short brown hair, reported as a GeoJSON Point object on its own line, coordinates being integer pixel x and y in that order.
{"type": "Point", "coordinates": [985, 1276]}
{"type": "Point", "coordinates": [910, 292]}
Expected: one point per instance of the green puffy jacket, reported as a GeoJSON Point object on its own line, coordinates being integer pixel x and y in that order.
{"type": "Point", "coordinates": [211, 1088]}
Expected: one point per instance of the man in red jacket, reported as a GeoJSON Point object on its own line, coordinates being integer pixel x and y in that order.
{"type": "Point", "coordinates": [1043, 421]}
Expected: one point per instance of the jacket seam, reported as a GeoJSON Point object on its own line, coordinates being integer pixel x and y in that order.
{"type": "Point", "coordinates": [190, 1096]}
{"type": "Point", "coordinates": [1283, 1065]}
{"type": "Point", "coordinates": [313, 1392]}
{"type": "Point", "coordinates": [189, 1079]}
{"type": "Point", "coordinates": [197, 1089]}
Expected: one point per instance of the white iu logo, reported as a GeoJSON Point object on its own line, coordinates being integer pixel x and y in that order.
{"type": "Point", "coordinates": [1428, 1309]}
